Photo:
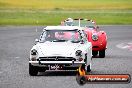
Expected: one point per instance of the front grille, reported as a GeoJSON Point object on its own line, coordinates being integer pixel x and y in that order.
{"type": "Point", "coordinates": [95, 47]}
{"type": "Point", "coordinates": [56, 58]}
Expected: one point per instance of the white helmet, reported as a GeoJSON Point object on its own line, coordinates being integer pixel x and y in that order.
{"type": "Point", "coordinates": [69, 20]}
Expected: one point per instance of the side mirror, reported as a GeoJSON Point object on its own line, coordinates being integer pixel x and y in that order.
{"type": "Point", "coordinates": [36, 40]}
{"type": "Point", "coordinates": [82, 42]}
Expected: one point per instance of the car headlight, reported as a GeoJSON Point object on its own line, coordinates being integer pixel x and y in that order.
{"type": "Point", "coordinates": [95, 37]}
{"type": "Point", "coordinates": [34, 52]}
{"type": "Point", "coordinates": [78, 53]}
{"type": "Point", "coordinates": [33, 55]}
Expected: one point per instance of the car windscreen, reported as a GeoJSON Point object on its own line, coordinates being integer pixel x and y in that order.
{"type": "Point", "coordinates": [82, 23]}
{"type": "Point", "coordinates": [60, 36]}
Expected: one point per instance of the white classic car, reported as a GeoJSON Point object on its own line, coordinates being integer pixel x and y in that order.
{"type": "Point", "coordinates": [60, 48]}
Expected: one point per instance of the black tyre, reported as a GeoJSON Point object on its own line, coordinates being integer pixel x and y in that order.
{"type": "Point", "coordinates": [102, 54]}
{"type": "Point", "coordinates": [41, 69]}
{"type": "Point", "coordinates": [33, 71]}
{"type": "Point", "coordinates": [94, 53]}
{"type": "Point", "coordinates": [89, 68]}
{"type": "Point", "coordinates": [81, 80]}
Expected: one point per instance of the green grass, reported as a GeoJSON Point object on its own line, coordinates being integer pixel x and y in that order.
{"type": "Point", "coordinates": [54, 17]}
{"type": "Point", "coordinates": [51, 12]}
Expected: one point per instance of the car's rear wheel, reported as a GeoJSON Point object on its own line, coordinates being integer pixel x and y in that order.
{"type": "Point", "coordinates": [102, 53]}
{"type": "Point", "coordinates": [89, 68]}
{"type": "Point", "coordinates": [94, 53]}
{"type": "Point", "coordinates": [33, 71]}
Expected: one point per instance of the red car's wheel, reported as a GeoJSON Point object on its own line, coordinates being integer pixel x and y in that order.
{"type": "Point", "coordinates": [94, 53]}
{"type": "Point", "coordinates": [102, 53]}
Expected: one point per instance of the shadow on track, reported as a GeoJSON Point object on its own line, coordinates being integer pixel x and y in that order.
{"type": "Point", "coordinates": [57, 73]}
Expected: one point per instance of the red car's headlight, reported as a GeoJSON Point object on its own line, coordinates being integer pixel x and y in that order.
{"type": "Point", "coordinates": [95, 37]}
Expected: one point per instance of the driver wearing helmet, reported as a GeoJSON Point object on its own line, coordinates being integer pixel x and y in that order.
{"type": "Point", "coordinates": [69, 22]}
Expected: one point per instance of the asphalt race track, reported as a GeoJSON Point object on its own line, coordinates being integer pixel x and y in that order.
{"type": "Point", "coordinates": [16, 42]}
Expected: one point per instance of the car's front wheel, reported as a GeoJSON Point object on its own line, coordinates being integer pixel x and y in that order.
{"type": "Point", "coordinates": [94, 53]}
{"type": "Point", "coordinates": [33, 71]}
{"type": "Point", "coordinates": [102, 53]}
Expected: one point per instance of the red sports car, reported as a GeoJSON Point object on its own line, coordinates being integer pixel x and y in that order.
{"type": "Point", "coordinates": [95, 36]}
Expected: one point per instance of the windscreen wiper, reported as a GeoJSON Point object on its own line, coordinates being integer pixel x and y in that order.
{"type": "Point", "coordinates": [59, 40]}
{"type": "Point", "coordinates": [75, 41]}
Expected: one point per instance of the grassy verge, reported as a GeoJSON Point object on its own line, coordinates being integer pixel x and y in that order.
{"type": "Point", "coordinates": [36, 17]}
{"type": "Point", "coordinates": [51, 12]}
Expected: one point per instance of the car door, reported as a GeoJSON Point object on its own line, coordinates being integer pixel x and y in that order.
{"type": "Point", "coordinates": [87, 47]}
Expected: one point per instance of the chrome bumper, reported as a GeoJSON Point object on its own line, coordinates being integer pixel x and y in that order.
{"type": "Point", "coordinates": [55, 62]}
